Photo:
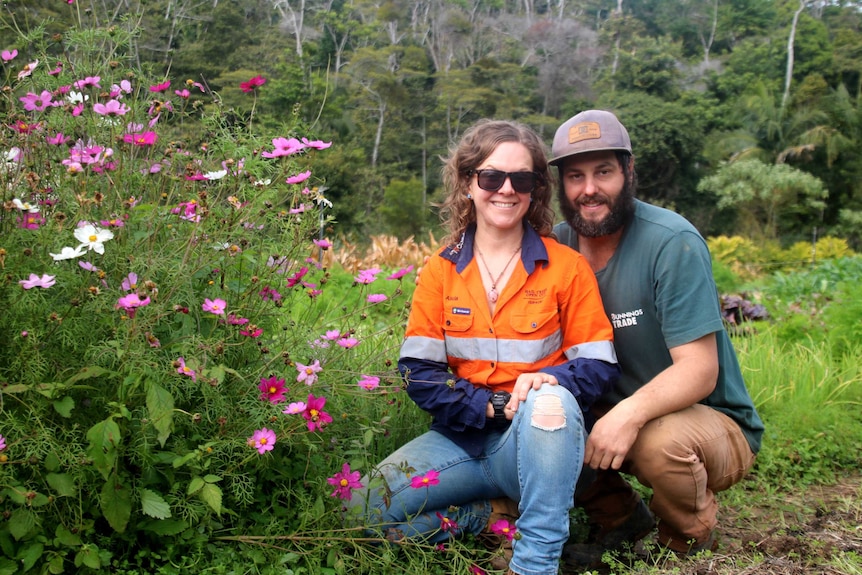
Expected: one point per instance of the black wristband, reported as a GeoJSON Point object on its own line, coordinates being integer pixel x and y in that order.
{"type": "Point", "coordinates": [499, 399]}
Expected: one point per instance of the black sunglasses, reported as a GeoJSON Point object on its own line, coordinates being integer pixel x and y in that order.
{"type": "Point", "coordinates": [493, 180]}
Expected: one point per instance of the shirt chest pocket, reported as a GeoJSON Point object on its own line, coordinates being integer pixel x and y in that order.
{"type": "Point", "coordinates": [545, 322]}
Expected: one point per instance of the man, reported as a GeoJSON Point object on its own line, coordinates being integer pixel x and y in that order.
{"type": "Point", "coordinates": [680, 419]}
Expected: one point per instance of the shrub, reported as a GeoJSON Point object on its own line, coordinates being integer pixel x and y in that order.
{"type": "Point", "coordinates": [176, 361]}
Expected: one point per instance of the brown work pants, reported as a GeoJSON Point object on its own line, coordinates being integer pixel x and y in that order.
{"type": "Point", "coordinates": [685, 457]}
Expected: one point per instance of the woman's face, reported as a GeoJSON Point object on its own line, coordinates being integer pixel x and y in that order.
{"type": "Point", "coordinates": [504, 209]}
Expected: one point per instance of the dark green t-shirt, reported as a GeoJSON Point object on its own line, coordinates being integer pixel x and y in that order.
{"type": "Point", "coordinates": [658, 292]}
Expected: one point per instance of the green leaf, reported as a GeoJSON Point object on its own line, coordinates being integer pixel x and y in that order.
{"type": "Point", "coordinates": [211, 495]}
{"type": "Point", "coordinates": [88, 556]}
{"type": "Point", "coordinates": [180, 461]}
{"type": "Point", "coordinates": [104, 438]}
{"type": "Point", "coordinates": [154, 505]}
{"type": "Point", "coordinates": [29, 555]}
{"type": "Point", "coordinates": [88, 373]}
{"type": "Point", "coordinates": [116, 503]}
{"type": "Point", "coordinates": [7, 567]}
{"type": "Point", "coordinates": [165, 526]}
{"type": "Point", "coordinates": [16, 388]}
{"type": "Point", "coordinates": [55, 566]}
{"type": "Point", "coordinates": [64, 406]}
{"type": "Point", "coordinates": [63, 536]}
{"type": "Point", "coordinates": [21, 522]}
{"type": "Point", "coordinates": [195, 485]}
{"type": "Point", "coordinates": [210, 478]}
{"type": "Point", "coordinates": [62, 484]}
{"type": "Point", "coordinates": [160, 404]}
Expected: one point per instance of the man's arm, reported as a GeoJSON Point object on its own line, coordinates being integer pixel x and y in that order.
{"type": "Point", "coordinates": [690, 378]}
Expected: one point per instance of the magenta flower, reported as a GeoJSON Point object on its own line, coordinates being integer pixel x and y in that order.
{"type": "Point", "coordinates": [45, 281]}
{"type": "Point", "coordinates": [308, 373]}
{"type": "Point", "coordinates": [401, 273]}
{"type": "Point", "coordinates": [88, 81]}
{"type": "Point", "coordinates": [446, 524]}
{"type": "Point", "coordinates": [376, 298]}
{"type": "Point", "coordinates": [111, 108]}
{"type": "Point", "coordinates": [131, 302]}
{"type": "Point", "coordinates": [284, 147]}
{"type": "Point", "coordinates": [332, 334]}
{"type": "Point", "coordinates": [476, 570]}
{"type": "Point", "coordinates": [298, 177]}
{"type": "Point", "coordinates": [215, 306]}
{"type": "Point", "coordinates": [2, 443]}
{"type": "Point", "coordinates": [255, 82]}
{"type": "Point", "coordinates": [268, 293]}
{"type": "Point", "coordinates": [236, 320]}
{"type": "Point", "coordinates": [369, 382]}
{"type": "Point", "coordinates": [57, 140]}
{"type": "Point", "coordinates": [315, 416]}
{"type": "Point", "coordinates": [263, 440]}
{"type": "Point", "coordinates": [27, 69]}
{"type": "Point", "coordinates": [504, 528]}
{"type": "Point", "coordinates": [161, 87]}
{"type": "Point", "coordinates": [252, 331]}
{"type": "Point", "coordinates": [316, 144]}
{"type": "Point", "coordinates": [6, 55]}
{"type": "Point", "coordinates": [141, 139]}
{"type": "Point", "coordinates": [183, 369]}
{"type": "Point", "coordinates": [322, 244]}
{"type": "Point", "coordinates": [345, 482]}
{"type": "Point", "coordinates": [272, 389]}
{"type": "Point", "coordinates": [348, 342]}
{"type": "Point", "coordinates": [430, 478]}
{"type": "Point", "coordinates": [184, 94]}
{"type": "Point", "coordinates": [297, 277]}
{"type": "Point", "coordinates": [367, 276]}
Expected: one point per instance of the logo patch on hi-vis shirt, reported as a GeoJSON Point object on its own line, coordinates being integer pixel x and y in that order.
{"type": "Point", "coordinates": [585, 131]}
{"type": "Point", "coordinates": [461, 310]}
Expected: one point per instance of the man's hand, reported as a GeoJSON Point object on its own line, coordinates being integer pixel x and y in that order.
{"type": "Point", "coordinates": [611, 438]}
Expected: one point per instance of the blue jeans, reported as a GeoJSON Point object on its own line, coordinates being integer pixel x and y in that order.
{"type": "Point", "coordinates": [535, 461]}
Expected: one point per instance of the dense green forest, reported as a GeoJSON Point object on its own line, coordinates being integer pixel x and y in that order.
{"type": "Point", "coordinates": [744, 114]}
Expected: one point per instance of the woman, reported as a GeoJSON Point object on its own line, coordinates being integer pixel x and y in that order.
{"type": "Point", "coordinates": [506, 345]}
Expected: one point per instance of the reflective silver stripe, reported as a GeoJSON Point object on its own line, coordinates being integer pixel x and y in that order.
{"type": "Point", "coordinates": [603, 350]}
{"type": "Point", "coordinates": [424, 348]}
{"type": "Point", "coordinates": [507, 350]}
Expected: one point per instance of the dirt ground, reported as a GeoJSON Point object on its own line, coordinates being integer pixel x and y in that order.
{"type": "Point", "coordinates": [803, 533]}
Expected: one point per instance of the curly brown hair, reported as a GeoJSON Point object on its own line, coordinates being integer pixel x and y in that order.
{"type": "Point", "coordinates": [477, 143]}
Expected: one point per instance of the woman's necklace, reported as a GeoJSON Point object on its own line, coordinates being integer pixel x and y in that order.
{"type": "Point", "coordinates": [492, 293]}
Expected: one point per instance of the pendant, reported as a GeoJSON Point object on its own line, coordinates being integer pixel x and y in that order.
{"type": "Point", "coordinates": [492, 295]}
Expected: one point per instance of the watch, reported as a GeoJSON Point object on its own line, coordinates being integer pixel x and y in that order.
{"type": "Point", "coordinates": [499, 399]}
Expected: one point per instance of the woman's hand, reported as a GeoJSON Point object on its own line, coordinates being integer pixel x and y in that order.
{"type": "Point", "coordinates": [524, 383]}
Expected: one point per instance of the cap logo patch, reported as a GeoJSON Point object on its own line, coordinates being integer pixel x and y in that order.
{"type": "Point", "coordinates": [584, 131]}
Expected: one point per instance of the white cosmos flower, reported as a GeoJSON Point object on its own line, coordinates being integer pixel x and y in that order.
{"type": "Point", "coordinates": [215, 175]}
{"type": "Point", "coordinates": [93, 238]}
{"type": "Point", "coordinates": [76, 97]}
{"type": "Point", "coordinates": [25, 206]}
{"type": "Point", "coordinates": [69, 253]}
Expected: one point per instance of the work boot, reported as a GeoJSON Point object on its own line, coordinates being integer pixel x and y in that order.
{"type": "Point", "coordinates": [503, 508]}
{"type": "Point", "coordinates": [689, 548]}
{"type": "Point", "coordinates": [583, 556]}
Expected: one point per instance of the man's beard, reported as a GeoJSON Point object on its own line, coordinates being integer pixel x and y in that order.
{"type": "Point", "coordinates": [621, 211]}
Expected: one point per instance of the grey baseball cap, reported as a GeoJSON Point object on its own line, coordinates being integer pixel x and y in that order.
{"type": "Point", "coordinates": [589, 131]}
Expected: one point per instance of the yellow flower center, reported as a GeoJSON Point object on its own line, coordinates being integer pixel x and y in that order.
{"type": "Point", "coordinates": [343, 483]}
{"type": "Point", "coordinates": [93, 238]}
{"type": "Point", "coordinates": [262, 441]}
{"type": "Point", "coordinates": [272, 389]}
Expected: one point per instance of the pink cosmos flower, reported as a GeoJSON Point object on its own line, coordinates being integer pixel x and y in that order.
{"type": "Point", "coordinates": [314, 415]}
{"type": "Point", "coordinates": [348, 342]}
{"type": "Point", "coordinates": [298, 177]}
{"type": "Point", "coordinates": [294, 408]}
{"type": "Point", "coordinates": [161, 87]}
{"type": "Point", "coordinates": [376, 298]}
{"type": "Point", "coordinates": [400, 273]}
{"type": "Point", "coordinates": [130, 303]}
{"type": "Point", "coordinates": [30, 221]}
{"type": "Point", "coordinates": [332, 334]}
{"type": "Point", "coordinates": [28, 69]}
{"type": "Point", "coordinates": [263, 440]}
{"type": "Point", "coordinates": [45, 281]}
{"type": "Point", "coordinates": [183, 369]}
{"type": "Point", "coordinates": [269, 294]}
{"type": "Point", "coordinates": [284, 147]}
{"type": "Point", "coordinates": [345, 482]}
{"type": "Point", "coordinates": [57, 140]}
{"type": "Point", "coordinates": [272, 389]}
{"type": "Point", "coordinates": [38, 102]}
{"type": "Point", "coordinates": [300, 209]}
{"type": "Point", "coordinates": [369, 382]}
{"type": "Point", "coordinates": [6, 55]}
{"type": "Point", "coordinates": [295, 278]}
{"type": "Point", "coordinates": [252, 331]}
{"type": "Point", "coordinates": [184, 94]}
{"type": "Point", "coordinates": [367, 276]}
{"type": "Point", "coordinates": [216, 306]}
{"type": "Point", "coordinates": [141, 138]}
{"type": "Point", "coordinates": [88, 81]}
{"type": "Point", "coordinates": [504, 528]}
{"type": "Point", "coordinates": [59, 68]}
{"type": "Point", "coordinates": [255, 82]}
{"type": "Point", "coordinates": [2, 443]}
{"type": "Point", "coordinates": [130, 282]}
{"type": "Point", "coordinates": [446, 524]}
{"type": "Point", "coordinates": [111, 108]}
{"type": "Point", "coordinates": [322, 244]}
{"type": "Point", "coordinates": [316, 144]}
{"type": "Point", "coordinates": [476, 570]}
{"type": "Point", "coordinates": [308, 373]}
{"type": "Point", "coordinates": [430, 478]}
{"type": "Point", "coordinates": [236, 320]}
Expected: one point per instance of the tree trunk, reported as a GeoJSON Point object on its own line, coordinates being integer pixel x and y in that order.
{"type": "Point", "coordinates": [789, 73]}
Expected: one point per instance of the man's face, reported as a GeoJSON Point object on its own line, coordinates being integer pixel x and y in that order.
{"type": "Point", "coordinates": [596, 197]}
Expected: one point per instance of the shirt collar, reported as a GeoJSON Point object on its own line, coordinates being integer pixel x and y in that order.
{"type": "Point", "coordinates": [532, 249]}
